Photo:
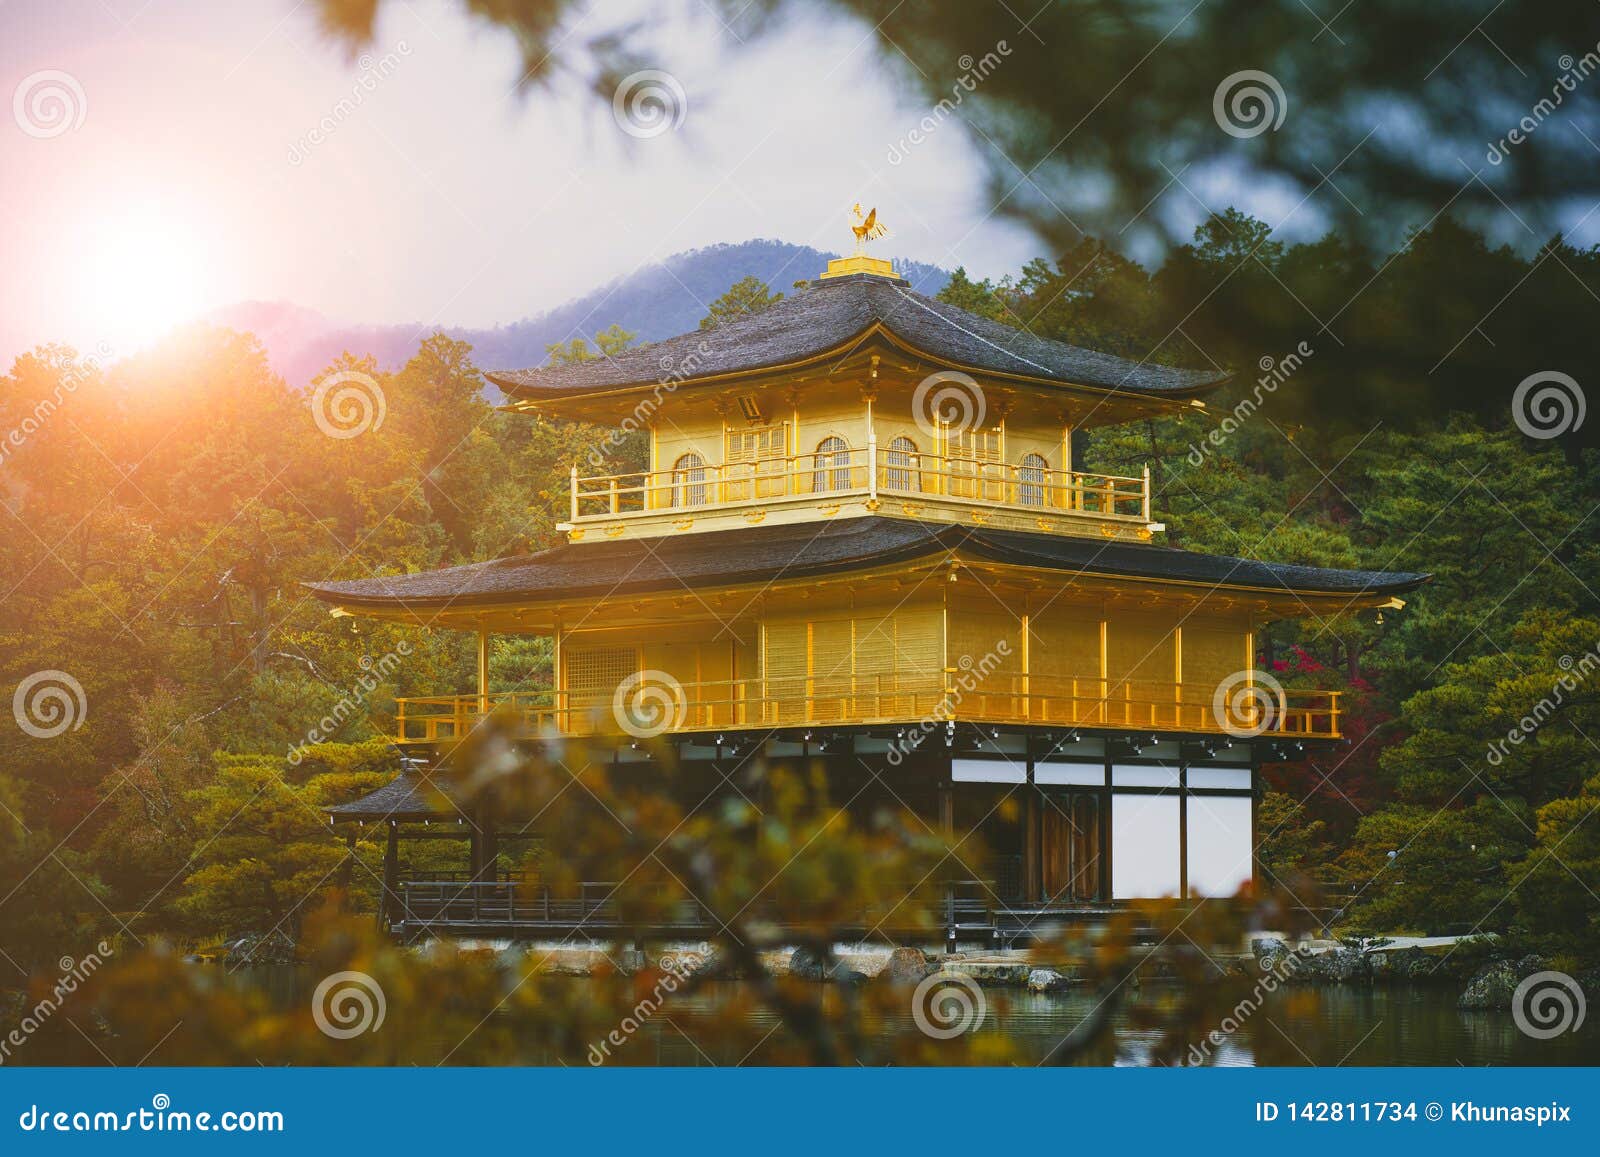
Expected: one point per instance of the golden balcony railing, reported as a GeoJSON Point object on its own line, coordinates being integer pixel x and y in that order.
{"type": "Point", "coordinates": [879, 699]}
{"type": "Point", "coordinates": [870, 472]}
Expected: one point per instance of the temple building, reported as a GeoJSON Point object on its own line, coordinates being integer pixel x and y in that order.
{"type": "Point", "coordinates": [862, 538]}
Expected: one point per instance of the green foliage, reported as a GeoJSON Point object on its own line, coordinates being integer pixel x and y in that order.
{"type": "Point", "coordinates": [609, 341]}
{"type": "Point", "coordinates": [745, 298]}
{"type": "Point", "coordinates": [172, 592]}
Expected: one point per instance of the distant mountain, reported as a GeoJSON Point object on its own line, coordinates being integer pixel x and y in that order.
{"type": "Point", "coordinates": [658, 301]}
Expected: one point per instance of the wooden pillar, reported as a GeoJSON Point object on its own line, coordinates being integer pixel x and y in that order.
{"type": "Point", "coordinates": [947, 827]}
{"type": "Point", "coordinates": [1103, 888]}
{"type": "Point", "coordinates": [558, 681]}
{"type": "Point", "coordinates": [488, 870]}
{"type": "Point", "coordinates": [1183, 824]}
{"type": "Point", "coordinates": [1255, 808]}
{"type": "Point", "coordinates": [483, 673]}
{"type": "Point", "coordinates": [347, 869]}
{"type": "Point", "coordinates": [1032, 837]}
{"type": "Point", "coordinates": [387, 906]}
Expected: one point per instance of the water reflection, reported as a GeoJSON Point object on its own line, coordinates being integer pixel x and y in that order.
{"type": "Point", "coordinates": [1299, 1026]}
{"type": "Point", "coordinates": [1295, 1026]}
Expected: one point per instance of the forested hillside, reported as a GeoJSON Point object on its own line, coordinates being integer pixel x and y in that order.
{"type": "Point", "coordinates": [656, 301]}
{"type": "Point", "coordinates": [162, 512]}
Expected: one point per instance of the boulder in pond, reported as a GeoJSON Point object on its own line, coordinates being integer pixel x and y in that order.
{"type": "Point", "coordinates": [1491, 986]}
{"type": "Point", "coordinates": [807, 963]}
{"type": "Point", "coordinates": [906, 966]}
{"type": "Point", "coordinates": [1346, 966]}
{"type": "Point", "coordinates": [1048, 980]}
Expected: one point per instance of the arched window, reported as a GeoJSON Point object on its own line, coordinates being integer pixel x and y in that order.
{"type": "Point", "coordinates": [689, 481]}
{"type": "Point", "coordinates": [1030, 489]}
{"type": "Point", "coordinates": [833, 465]}
{"type": "Point", "coordinates": [898, 462]}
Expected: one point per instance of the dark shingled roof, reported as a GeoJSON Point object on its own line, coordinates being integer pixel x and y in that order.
{"type": "Point", "coordinates": [410, 795]}
{"type": "Point", "coordinates": [793, 551]}
{"type": "Point", "coordinates": [831, 314]}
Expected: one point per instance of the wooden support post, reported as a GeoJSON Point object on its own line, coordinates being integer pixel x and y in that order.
{"type": "Point", "coordinates": [1108, 802]}
{"type": "Point", "coordinates": [1183, 824]}
{"type": "Point", "coordinates": [574, 491]}
{"type": "Point", "coordinates": [947, 826]}
{"type": "Point", "coordinates": [483, 673]}
{"type": "Point", "coordinates": [347, 869]}
{"type": "Point", "coordinates": [387, 906]}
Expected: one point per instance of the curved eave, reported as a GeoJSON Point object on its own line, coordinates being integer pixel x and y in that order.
{"type": "Point", "coordinates": [878, 547]}
{"type": "Point", "coordinates": [533, 398]}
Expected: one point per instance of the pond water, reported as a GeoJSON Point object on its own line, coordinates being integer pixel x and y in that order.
{"type": "Point", "coordinates": [1333, 1025]}
{"type": "Point", "coordinates": [1304, 1026]}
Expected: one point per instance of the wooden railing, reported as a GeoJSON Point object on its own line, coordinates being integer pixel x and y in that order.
{"type": "Point", "coordinates": [871, 471]}
{"type": "Point", "coordinates": [883, 698]}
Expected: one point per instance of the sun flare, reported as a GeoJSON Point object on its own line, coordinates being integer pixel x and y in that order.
{"type": "Point", "coordinates": [143, 274]}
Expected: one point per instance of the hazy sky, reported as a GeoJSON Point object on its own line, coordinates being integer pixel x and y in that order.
{"type": "Point", "coordinates": [193, 179]}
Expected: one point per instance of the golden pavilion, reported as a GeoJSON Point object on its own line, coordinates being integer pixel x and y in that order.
{"type": "Point", "coordinates": [862, 537]}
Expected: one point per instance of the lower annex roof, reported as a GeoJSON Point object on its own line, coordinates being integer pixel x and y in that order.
{"type": "Point", "coordinates": [802, 550]}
